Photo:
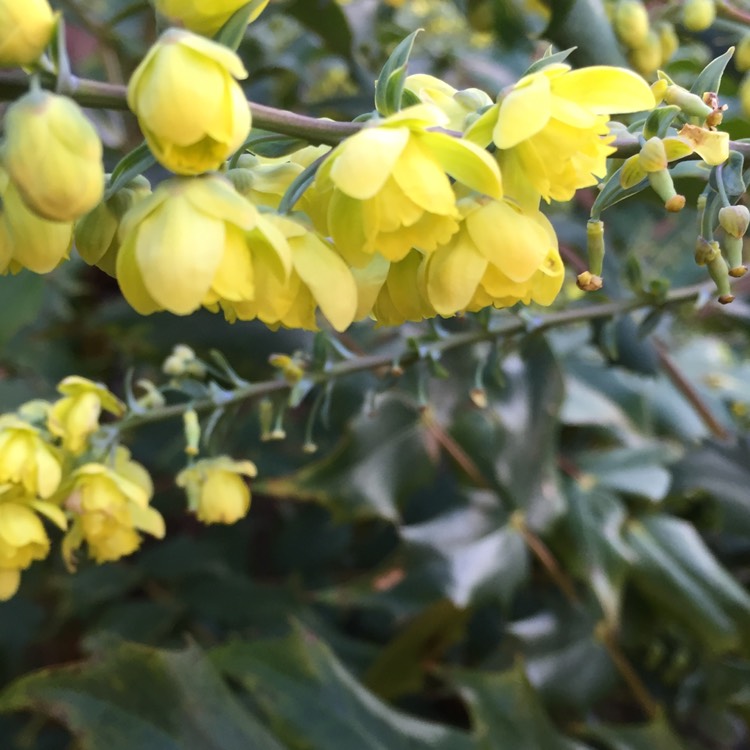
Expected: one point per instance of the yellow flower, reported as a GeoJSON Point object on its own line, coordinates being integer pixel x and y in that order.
{"type": "Point", "coordinates": [190, 109]}
{"type": "Point", "coordinates": [501, 256]}
{"type": "Point", "coordinates": [75, 417]}
{"type": "Point", "coordinates": [205, 16]}
{"type": "Point", "coordinates": [388, 190]}
{"type": "Point", "coordinates": [551, 128]}
{"type": "Point", "coordinates": [184, 245]}
{"type": "Point", "coordinates": [403, 295]}
{"type": "Point", "coordinates": [295, 273]}
{"type": "Point", "coordinates": [110, 506]}
{"type": "Point", "coordinates": [711, 145]}
{"type": "Point", "coordinates": [26, 239]}
{"type": "Point", "coordinates": [216, 491]}
{"type": "Point", "coordinates": [22, 540]}
{"type": "Point", "coordinates": [95, 235]}
{"type": "Point", "coordinates": [53, 155]}
{"type": "Point", "coordinates": [26, 460]}
{"type": "Point", "coordinates": [25, 30]}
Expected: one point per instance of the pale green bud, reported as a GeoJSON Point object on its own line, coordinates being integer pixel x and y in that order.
{"type": "Point", "coordinates": [668, 40]}
{"type": "Point", "coordinates": [192, 432]}
{"type": "Point", "coordinates": [698, 15]}
{"type": "Point", "coordinates": [734, 220]}
{"type": "Point", "coordinates": [647, 57]}
{"type": "Point", "coordinates": [689, 103]}
{"type": "Point", "coordinates": [631, 22]}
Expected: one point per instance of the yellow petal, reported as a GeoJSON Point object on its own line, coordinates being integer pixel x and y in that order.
{"type": "Point", "coordinates": [453, 274]}
{"type": "Point", "coordinates": [605, 90]}
{"type": "Point", "coordinates": [523, 112]}
{"type": "Point", "coordinates": [423, 180]}
{"type": "Point", "coordinates": [363, 163]}
{"type": "Point", "coordinates": [10, 580]}
{"type": "Point", "coordinates": [466, 162]}
{"type": "Point", "coordinates": [131, 281]}
{"type": "Point", "coordinates": [711, 145]}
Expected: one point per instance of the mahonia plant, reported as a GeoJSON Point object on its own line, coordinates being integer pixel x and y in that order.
{"type": "Point", "coordinates": [430, 205]}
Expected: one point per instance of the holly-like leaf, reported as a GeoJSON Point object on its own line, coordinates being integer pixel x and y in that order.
{"type": "Point", "coordinates": [314, 702]}
{"type": "Point", "coordinates": [389, 87]}
{"type": "Point", "coordinates": [136, 697]}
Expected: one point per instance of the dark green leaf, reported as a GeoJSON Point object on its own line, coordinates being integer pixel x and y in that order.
{"type": "Point", "coordinates": [659, 120]}
{"type": "Point", "coordinates": [136, 697]}
{"type": "Point", "coordinates": [133, 164]}
{"type": "Point", "coordinates": [709, 79]}
{"type": "Point", "coordinates": [313, 702]}
{"type": "Point", "coordinates": [731, 175]}
{"type": "Point", "coordinates": [549, 58]}
{"type": "Point", "coordinates": [232, 32]}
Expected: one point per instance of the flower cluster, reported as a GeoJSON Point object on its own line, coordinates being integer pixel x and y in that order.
{"type": "Point", "coordinates": [58, 464]}
{"type": "Point", "coordinates": [431, 210]}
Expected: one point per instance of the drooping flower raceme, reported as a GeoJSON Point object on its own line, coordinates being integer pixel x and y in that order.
{"type": "Point", "coordinates": [388, 187]}
{"type": "Point", "coordinates": [205, 16]}
{"type": "Point", "coordinates": [184, 246]}
{"type": "Point", "coordinates": [551, 128]}
{"type": "Point", "coordinates": [216, 490]}
{"type": "Point", "coordinates": [191, 109]}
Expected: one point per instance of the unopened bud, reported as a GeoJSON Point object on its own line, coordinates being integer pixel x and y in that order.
{"type": "Point", "coordinates": [647, 57]}
{"type": "Point", "coordinates": [173, 366]}
{"type": "Point", "coordinates": [631, 22]}
{"type": "Point", "coordinates": [595, 246]}
{"type": "Point", "coordinates": [153, 398]}
{"type": "Point", "coordinates": [698, 15]}
{"type": "Point", "coordinates": [192, 432]}
{"type": "Point", "coordinates": [719, 272]}
{"type": "Point", "coordinates": [706, 251]}
{"type": "Point", "coordinates": [265, 415]}
{"type": "Point", "coordinates": [668, 40]}
{"type": "Point", "coordinates": [478, 397]}
{"type": "Point", "coordinates": [589, 282]}
{"type": "Point", "coordinates": [663, 186]}
{"type": "Point", "coordinates": [734, 220]}
{"type": "Point", "coordinates": [742, 54]}
{"type": "Point", "coordinates": [733, 247]}
{"type": "Point", "coordinates": [25, 31]}
{"type": "Point", "coordinates": [743, 92]}
{"type": "Point", "coordinates": [691, 104]}
{"type": "Point", "coordinates": [184, 352]}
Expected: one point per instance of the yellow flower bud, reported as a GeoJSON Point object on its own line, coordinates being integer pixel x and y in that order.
{"type": "Point", "coordinates": [668, 40]}
{"type": "Point", "coordinates": [190, 109]}
{"type": "Point", "coordinates": [734, 220]}
{"type": "Point", "coordinates": [742, 54]}
{"type": "Point", "coordinates": [205, 17]}
{"type": "Point", "coordinates": [653, 155]}
{"type": "Point", "coordinates": [185, 246]}
{"type": "Point", "coordinates": [75, 417]}
{"type": "Point", "coordinates": [25, 30]}
{"type": "Point", "coordinates": [192, 429]}
{"type": "Point", "coordinates": [647, 57]}
{"type": "Point", "coordinates": [53, 155]}
{"type": "Point", "coordinates": [215, 489]}
{"type": "Point", "coordinates": [631, 22]}
{"type": "Point", "coordinates": [689, 103]}
{"type": "Point", "coordinates": [26, 239]}
{"type": "Point", "coordinates": [698, 15]}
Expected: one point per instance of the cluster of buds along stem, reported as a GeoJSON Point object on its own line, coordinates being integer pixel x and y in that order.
{"type": "Point", "coordinates": [649, 46]}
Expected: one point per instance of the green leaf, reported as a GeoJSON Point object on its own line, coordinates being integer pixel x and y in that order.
{"type": "Point", "coordinates": [136, 697]}
{"type": "Point", "coordinates": [400, 666]}
{"type": "Point", "coordinates": [470, 554]}
{"type": "Point", "coordinates": [549, 58]}
{"type": "Point", "coordinates": [233, 31]}
{"type": "Point", "coordinates": [677, 571]}
{"type": "Point", "coordinates": [659, 121]}
{"type": "Point", "coordinates": [299, 184]}
{"type": "Point", "coordinates": [136, 162]}
{"type": "Point", "coordinates": [389, 87]}
{"type": "Point", "coordinates": [326, 19]}
{"type": "Point", "coordinates": [731, 175]}
{"type": "Point", "coordinates": [313, 702]}
{"type": "Point", "coordinates": [612, 192]}
{"type": "Point", "coordinates": [506, 712]}
{"type": "Point", "coordinates": [595, 524]}
{"type": "Point", "coordinates": [709, 79]}
{"type": "Point", "coordinates": [377, 464]}
{"type": "Point", "coordinates": [655, 736]}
